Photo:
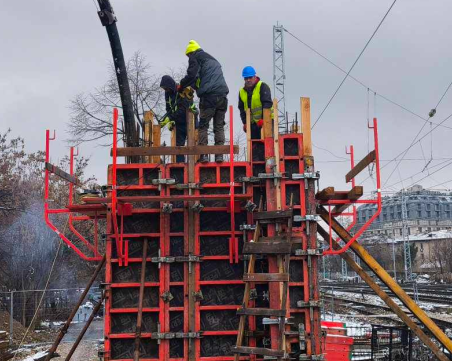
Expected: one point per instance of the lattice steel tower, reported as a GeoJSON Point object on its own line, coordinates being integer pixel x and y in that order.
{"type": "Point", "coordinates": [406, 248]}
{"type": "Point", "coordinates": [279, 76]}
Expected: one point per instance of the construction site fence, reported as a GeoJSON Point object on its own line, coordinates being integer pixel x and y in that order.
{"type": "Point", "coordinates": [20, 307]}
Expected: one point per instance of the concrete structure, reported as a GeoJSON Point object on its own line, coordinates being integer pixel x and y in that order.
{"type": "Point", "coordinates": [427, 211]}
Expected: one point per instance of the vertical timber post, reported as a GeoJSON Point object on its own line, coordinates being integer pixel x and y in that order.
{"type": "Point", "coordinates": [248, 135]}
{"type": "Point", "coordinates": [314, 312]}
{"type": "Point", "coordinates": [173, 143]}
{"type": "Point", "coordinates": [156, 141]}
{"type": "Point", "coordinates": [270, 189]}
{"type": "Point", "coordinates": [191, 240]}
{"type": "Point", "coordinates": [147, 136]}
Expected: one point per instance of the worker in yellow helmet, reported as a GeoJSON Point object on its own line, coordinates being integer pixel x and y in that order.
{"type": "Point", "coordinates": [204, 73]}
{"type": "Point", "coordinates": [255, 95]}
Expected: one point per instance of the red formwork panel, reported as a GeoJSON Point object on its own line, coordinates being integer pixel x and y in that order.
{"type": "Point", "coordinates": [218, 276]}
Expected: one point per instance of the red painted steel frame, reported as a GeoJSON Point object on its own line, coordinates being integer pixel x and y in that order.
{"type": "Point", "coordinates": [233, 241]}
{"type": "Point", "coordinates": [48, 211]}
{"type": "Point", "coordinates": [331, 251]}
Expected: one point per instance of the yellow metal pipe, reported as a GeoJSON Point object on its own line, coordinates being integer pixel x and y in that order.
{"type": "Point", "coordinates": [385, 297]}
{"type": "Point", "coordinates": [388, 281]}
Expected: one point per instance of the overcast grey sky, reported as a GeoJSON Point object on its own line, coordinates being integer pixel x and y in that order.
{"type": "Point", "coordinates": [53, 49]}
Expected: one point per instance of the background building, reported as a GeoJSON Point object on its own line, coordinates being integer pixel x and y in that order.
{"type": "Point", "coordinates": [427, 211]}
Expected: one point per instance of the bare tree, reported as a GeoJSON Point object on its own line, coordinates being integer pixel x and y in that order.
{"type": "Point", "coordinates": [91, 113]}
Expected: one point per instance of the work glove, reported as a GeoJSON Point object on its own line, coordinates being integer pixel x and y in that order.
{"type": "Point", "coordinates": [167, 122]}
{"type": "Point", "coordinates": [260, 123]}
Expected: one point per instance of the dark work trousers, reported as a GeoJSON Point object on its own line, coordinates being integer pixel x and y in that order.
{"type": "Point", "coordinates": [181, 137]}
{"type": "Point", "coordinates": [255, 131]}
{"type": "Point", "coordinates": [212, 107]}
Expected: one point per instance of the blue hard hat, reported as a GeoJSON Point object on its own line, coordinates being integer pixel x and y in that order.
{"type": "Point", "coordinates": [248, 71]}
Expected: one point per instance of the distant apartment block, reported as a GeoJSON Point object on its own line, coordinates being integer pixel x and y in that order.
{"type": "Point", "coordinates": [427, 211]}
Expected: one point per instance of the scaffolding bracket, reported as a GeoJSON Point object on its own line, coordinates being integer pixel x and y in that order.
{"type": "Point", "coordinates": [163, 181]}
{"type": "Point", "coordinates": [171, 259]}
{"type": "Point", "coordinates": [247, 227]}
{"type": "Point", "coordinates": [173, 335]}
{"type": "Point", "coordinates": [189, 186]}
{"type": "Point", "coordinates": [274, 175]}
{"type": "Point", "coordinates": [310, 304]}
{"type": "Point", "coordinates": [249, 179]}
{"type": "Point", "coordinates": [307, 218]}
{"type": "Point", "coordinates": [309, 252]}
{"type": "Point", "coordinates": [312, 175]}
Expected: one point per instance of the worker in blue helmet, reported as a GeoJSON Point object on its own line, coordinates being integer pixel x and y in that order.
{"type": "Point", "coordinates": [256, 96]}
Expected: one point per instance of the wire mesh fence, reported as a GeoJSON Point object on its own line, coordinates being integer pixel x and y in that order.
{"type": "Point", "coordinates": [18, 308]}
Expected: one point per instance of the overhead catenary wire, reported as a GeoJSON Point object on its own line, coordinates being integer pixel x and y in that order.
{"type": "Point", "coordinates": [355, 62]}
{"type": "Point", "coordinates": [367, 87]}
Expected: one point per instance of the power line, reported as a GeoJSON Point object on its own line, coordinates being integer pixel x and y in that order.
{"type": "Point", "coordinates": [402, 152]}
{"type": "Point", "coordinates": [368, 88]}
{"type": "Point", "coordinates": [356, 61]}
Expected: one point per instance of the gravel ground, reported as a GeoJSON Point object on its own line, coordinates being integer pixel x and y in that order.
{"type": "Point", "coordinates": [86, 351]}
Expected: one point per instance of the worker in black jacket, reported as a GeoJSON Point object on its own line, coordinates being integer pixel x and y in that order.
{"type": "Point", "coordinates": [255, 95]}
{"type": "Point", "coordinates": [205, 75]}
{"type": "Point", "coordinates": [176, 108]}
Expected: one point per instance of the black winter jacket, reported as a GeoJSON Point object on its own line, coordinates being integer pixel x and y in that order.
{"type": "Point", "coordinates": [205, 67]}
{"type": "Point", "coordinates": [176, 112]}
{"type": "Point", "coordinates": [266, 99]}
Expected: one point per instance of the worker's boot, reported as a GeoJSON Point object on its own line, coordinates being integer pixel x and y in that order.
{"type": "Point", "coordinates": [219, 158]}
{"type": "Point", "coordinates": [203, 158]}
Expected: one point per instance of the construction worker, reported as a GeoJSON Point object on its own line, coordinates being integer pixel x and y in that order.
{"type": "Point", "coordinates": [205, 75]}
{"type": "Point", "coordinates": [256, 93]}
{"type": "Point", "coordinates": [176, 107]}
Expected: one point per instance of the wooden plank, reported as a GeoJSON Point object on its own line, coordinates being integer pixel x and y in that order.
{"type": "Point", "coordinates": [272, 215]}
{"type": "Point", "coordinates": [266, 277]}
{"type": "Point", "coordinates": [261, 312]}
{"type": "Point", "coordinates": [175, 198]}
{"type": "Point", "coordinates": [147, 131]}
{"type": "Point", "coordinates": [188, 150]}
{"type": "Point", "coordinates": [363, 163]}
{"type": "Point", "coordinates": [156, 139]}
{"type": "Point", "coordinates": [325, 194]}
{"type": "Point", "coordinates": [62, 174]}
{"type": "Point", "coordinates": [4, 345]}
{"type": "Point", "coordinates": [248, 135]}
{"type": "Point", "coordinates": [267, 248]}
{"type": "Point", "coordinates": [267, 128]}
{"type": "Point", "coordinates": [173, 144]}
{"type": "Point", "coordinates": [354, 194]}
{"type": "Point", "coordinates": [305, 104]}
{"type": "Point", "coordinates": [258, 351]}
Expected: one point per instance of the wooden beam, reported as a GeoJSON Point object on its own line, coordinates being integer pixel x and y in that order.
{"type": "Point", "coordinates": [188, 150]}
{"type": "Point", "coordinates": [248, 134]}
{"type": "Point", "coordinates": [156, 138]}
{"type": "Point", "coordinates": [354, 194]}
{"type": "Point", "coordinates": [384, 296]}
{"type": "Point", "coordinates": [147, 131]}
{"type": "Point", "coordinates": [62, 174]}
{"type": "Point", "coordinates": [267, 128]}
{"type": "Point", "coordinates": [360, 166]}
{"type": "Point", "coordinates": [383, 275]}
{"type": "Point", "coordinates": [305, 104]}
{"type": "Point", "coordinates": [173, 144]}
{"type": "Point", "coordinates": [175, 198]}
{"type": "Point", "coordinates": [325, 194]}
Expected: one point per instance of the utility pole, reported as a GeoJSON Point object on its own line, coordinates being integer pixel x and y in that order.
{"type": "Point", "coordinates": [279, 76]}
{"type": "Point", "coordinates": [406, 248]}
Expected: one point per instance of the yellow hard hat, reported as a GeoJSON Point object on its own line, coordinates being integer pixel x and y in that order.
{"type": "Point", "coordinates": [191, 47]}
